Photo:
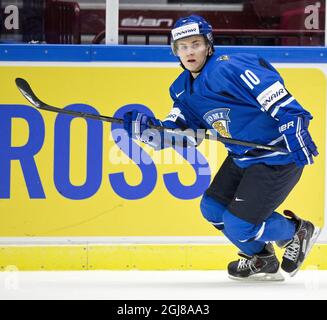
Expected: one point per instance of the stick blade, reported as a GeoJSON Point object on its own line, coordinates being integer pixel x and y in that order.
{"type": "Point", "coordinates": [21, 83]}
{"type": "Point", "coordinates": [27, 92]}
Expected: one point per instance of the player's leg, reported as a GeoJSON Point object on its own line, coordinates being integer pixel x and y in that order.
{"type": "Point", "coordinates": [262, 189]}
{"type": "Point", "coordinates": [213, 212]}
{"type": "Point", "coordinates": [229, 181]}
{"type": "Point", "coordinates": [213, 205]}
{"type": "Point", "coordinates": [252, 252]}
{"type": "Point", "coordinates": [218, 196]}
{"type": "Point", "coordinates": [258, 260]}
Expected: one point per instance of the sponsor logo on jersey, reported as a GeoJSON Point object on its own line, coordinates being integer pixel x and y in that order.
{"type": "Point", "coordinates": [219, 119]}
{"type": "Point", "coordinates": [271, 95]}
{"type": "Point", "coordinates": [185, 31]}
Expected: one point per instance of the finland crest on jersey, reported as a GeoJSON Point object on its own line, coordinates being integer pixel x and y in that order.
{"type": "Point", "coordinates": [218, 119]}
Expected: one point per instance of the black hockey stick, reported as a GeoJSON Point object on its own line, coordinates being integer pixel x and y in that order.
{"type": "Point", "coordinates": [28, 93]}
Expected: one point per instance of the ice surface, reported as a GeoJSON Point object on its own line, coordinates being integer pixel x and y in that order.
{"type": "Point", "coordinates": [153, 285]}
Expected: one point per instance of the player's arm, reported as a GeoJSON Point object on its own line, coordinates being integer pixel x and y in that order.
{"type": "Point", "coordinates": [267, 91]}
{"type": "Point", "coordinates": [137, 124]}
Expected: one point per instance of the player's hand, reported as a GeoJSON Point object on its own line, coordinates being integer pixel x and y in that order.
{"type": "Point", "coordinates": [305, 155]}
{"type": "Point", "coordinates": [137, 125]}
{"type": "Point", "coordinates": [299, 141]}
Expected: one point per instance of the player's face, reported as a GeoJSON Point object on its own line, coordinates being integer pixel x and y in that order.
{"type": "Point", "coordinates": [193, 53]}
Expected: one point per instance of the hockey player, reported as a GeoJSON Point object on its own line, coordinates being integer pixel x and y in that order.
{"type": "Point", "coordinates": [241, 96]}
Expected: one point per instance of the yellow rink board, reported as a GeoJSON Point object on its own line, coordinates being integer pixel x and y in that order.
{"type": "Point", "coordinates": [106, 213]}
{"type": "Point", "coordinates": [133, 257]}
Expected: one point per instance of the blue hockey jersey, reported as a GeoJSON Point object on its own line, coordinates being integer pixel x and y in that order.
{"type": "Point", "coordinates": [240, 96]}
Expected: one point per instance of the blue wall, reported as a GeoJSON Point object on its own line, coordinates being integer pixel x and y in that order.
{"type": "Point", "coordinates": [98, 53]}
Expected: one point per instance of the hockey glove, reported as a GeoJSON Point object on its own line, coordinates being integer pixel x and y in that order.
{"type": "Point", "coordinates": [298, 139]}
{"type": "Point", "coordinates": [137, 125]}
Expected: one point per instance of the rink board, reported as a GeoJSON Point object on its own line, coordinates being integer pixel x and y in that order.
{"type": "Point", "coordinates": [134, 257]}
{"type": "Point", "coordinates": [78, 183]}
{"type": "Point", "coordinates": [82, 185]}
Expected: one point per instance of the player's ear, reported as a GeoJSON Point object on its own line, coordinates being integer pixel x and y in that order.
{"type": "Point", "coordinates": [210, 52]}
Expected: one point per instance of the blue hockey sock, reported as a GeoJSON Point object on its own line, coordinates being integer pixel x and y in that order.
{"type": "Point", "coordinates": [276, 227]}
{"type": "Point", "coordinates": [249, 248]}
{"type": "Point", "coordinates": [213, 211]}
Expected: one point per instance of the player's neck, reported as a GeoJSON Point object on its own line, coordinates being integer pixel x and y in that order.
{"type": "Point", "coordinates": [195, 74]}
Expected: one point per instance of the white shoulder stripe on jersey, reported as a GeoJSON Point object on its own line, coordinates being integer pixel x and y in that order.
{"type": "Point", "coordinates": [285, 103]}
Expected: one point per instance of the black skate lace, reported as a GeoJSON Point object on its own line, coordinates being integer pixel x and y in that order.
{"type": "Point", "coordinates": [244, 263]}
{"type": "Point", "coordinates": [292, 251]}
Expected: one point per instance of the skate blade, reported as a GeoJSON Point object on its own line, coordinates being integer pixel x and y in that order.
{"type": "Point", "coordinates": [260, 277]}
{"type": "Point", "coordinates": [311, 243]}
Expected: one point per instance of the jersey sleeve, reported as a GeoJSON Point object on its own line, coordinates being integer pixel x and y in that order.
{"type": "Point", "coordinates": [256, 81]}
{"type": "Point", "coordinates": [175, 118]}
{"type": "Point", "coordinates": [179, 120]}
